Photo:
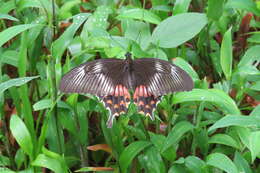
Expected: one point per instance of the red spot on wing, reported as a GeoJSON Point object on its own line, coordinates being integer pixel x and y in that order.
{"type": "Point", "coordinates": [117, 103]}
{"type": "Point", "coordinates": [145, 101]}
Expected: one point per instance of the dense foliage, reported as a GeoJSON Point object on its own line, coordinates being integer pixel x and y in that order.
{"type": "Point", "coordinates": [213, 128]}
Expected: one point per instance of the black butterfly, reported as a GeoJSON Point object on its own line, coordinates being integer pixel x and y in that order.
{"type": "Point", "coordinates": [111, 79]}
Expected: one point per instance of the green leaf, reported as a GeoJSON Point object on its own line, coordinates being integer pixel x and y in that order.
{"type": "Point", "coordinates": [50, 163]}
{"type": "Point", "coordinates": [65, 9]}
{"type": "Point", "coordinates": [241, 163]}
{"type": "Point", "coordinates": [236, 120]}
{"type": "Point", "coordinates": [222, 162]}
{"type": "Point", "coordinates": [215, 9]}
{"type": "Point", "coordinates": [6, 170]}
{"type": "Point", "coordinates": [60, 45]}
{"type": "Point", "coordinates": [256, 111]}
{"type": "Point", "coordinates": [176, 134]}
{"type": "Point", "coordinates": [21, 134]}
{"type": "Point", "coordinates": [152, 161]}
{"type": "Point", "coordinates": [251, 55]}
{"type": "Point", "coordinates": [187, 67]}
{"type": "Point", "coordinates": [10, 57]}
{"type": "Point", "coordinates": [254, 144]}
{"type": "Point", "coordinates": [214, 96]}
{"type": "Point", "coordinates": [223, 139]}
{"type": "Point", "coordinates": [42, 104]}
{"type": "Point", "coordinates": [181, 6]}
{"type": "Point", "coordinates": [173, 32]}
{"type": "Point", "coordinates": [140, 14]}
{"type": "Point", "coordinates": [130, 152]}
{"type": "Point", "coordinates": [195, 164]}
{"type": "Point", "coordinates": [256, 86]}
{"type": "Point", "coordinates": [247, 5]}
{"type": "Point", "coordinates": [226, 54]}
{"type": "Point", "coordinates": [15, 82]}
{"type": "Point", "coordinates": [6, 16]}
{"type": "Point", "coordinates": [11, 32]}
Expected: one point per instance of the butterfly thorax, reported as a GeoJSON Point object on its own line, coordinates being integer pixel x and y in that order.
{"type": "Point", "coordinates": [129, 77]}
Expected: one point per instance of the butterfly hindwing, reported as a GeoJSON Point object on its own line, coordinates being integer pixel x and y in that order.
{"type": "Point", "coordinates": [145, 101]}
{"type": "Point", "coordinates": [117, 103]}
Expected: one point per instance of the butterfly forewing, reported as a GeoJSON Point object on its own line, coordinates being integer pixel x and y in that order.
{"type": "Point", "coordinates": [98, 77]}
{"type": "Point", "coordinates": [161, 77]}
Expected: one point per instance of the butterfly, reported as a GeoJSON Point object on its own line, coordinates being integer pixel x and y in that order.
{"type": "Point", "coordinates": [111, 80]}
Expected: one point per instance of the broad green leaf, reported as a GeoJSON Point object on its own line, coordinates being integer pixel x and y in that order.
{"type": "Point", "coordinates": [223, 139]}
{"type": "Point", "coordinates": [181, 6]}
{"type": "Point", "coordinates": [15, 82]}
{"type": "Point", "coordinates": [176, 134]}
{"type": "Point", "coordinates": [140, 14]}
{"type": "Point", "coordinates": [226, 55]}
{"type": "Point", "coordinates": [10, 57]}
{"type": "Point", "coordinates": [248, 5]}
{"type": "Point", "coordinates": [222, 162]}
{"type": "Point", "coordinates": [6, 16]}
{"type": "Point", "coordinates": [254, 38]}
{"type": "Point", "coordinates": [65, 39]}
{"type": "Point", "coordinates": [4, 161]}
{"type": "Point", "coordinates": [254, 144]}
{"type": "Point", "coordinates": [98, 22]}
{"type": "Point", "coordinates": [139, 32]}
{"type": "Point", "coordinates": [251, 55]}
{"type": "Point", "coordinates": [50, 163]}
{"type": "Point", "coordinates": [243, 133]}
{"type": "Point", "coordinates": [11, 32]}
{"type": "Point", "coordinates": [214, 96]}
{"type": "Point", "coordinates": [215, 9]}
{"type": "Point", "coordinates": [42, 104]}
{"type": "Point", "coordinates": [20, 158]}
{"type": "Point", "coordinates": [21, 134]}
{"type": "Point", "coordinates": [187, 67]}
{"type": "Point", "coordinates": [65, 9]}
{"type": "Point", "coordinates": [22, 4]}
{"type": "Point", "coordinates": [236, 120]}
{"type": "Point", "coordinates": [256, 86]}
{"type": "Point", "coordinates": [241, 163]}
{"type": "Point", "coordinates": [152, 161]}
{"type": "Point", "coordinates": [130, 152]}
{"type": "Point", "coordinates": [6, 170]}
{"type": "Point", "coordinates": [177, 168]}
{"type": "Point", "coordinates": [7, 6]}
{"type": "Point", "coordinates": [195, 164]}
{"type": "Point", "coordinates": [173, 32]}
{"type": "Point", "coordinates": [256, 111]}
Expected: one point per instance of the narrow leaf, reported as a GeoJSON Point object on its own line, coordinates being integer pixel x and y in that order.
{"type": "Point", "coordinates": [177, 133]}
{"type": "Point", "coordinates": [236, 120]}
{"type": "Point", "coordinates": [226, 54]}
{"type": "Point", "coordinates": [11, 32]}
{"type": "Point", "coordinates": [214, 96]}
{"type": "Point", "coordinates": [15, 82]}
{"type": "Point", "coordinates": [21, 134]}
{"type": "Point", "coordinates": [130, 152]}
{"type": "Point", "coordinates": [254, 144]}
{"type": "Point", "coordinates": [50, 163]}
